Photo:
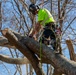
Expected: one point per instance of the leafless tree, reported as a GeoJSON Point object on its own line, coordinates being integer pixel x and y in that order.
{"type": "Point", "coordinates": [25, 50]}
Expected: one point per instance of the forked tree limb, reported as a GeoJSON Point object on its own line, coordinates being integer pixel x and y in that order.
{"type": "Point", "coordinates": [58, 61]}
{"type": "Point", "coordinates": [5, 43]}
{"type": "Point", "coordinates": [24, 50]}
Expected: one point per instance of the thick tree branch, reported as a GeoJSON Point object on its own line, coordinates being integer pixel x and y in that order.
{"type": "Point", "coordinates": [24, 50]}
{"type": "Point", "coordinates": [57, 60]}
{"type": "Point", "coordinates": [60, 63]}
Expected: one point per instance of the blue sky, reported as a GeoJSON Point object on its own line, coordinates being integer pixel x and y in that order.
{"type": "Point", "coordinates": [7, 24]}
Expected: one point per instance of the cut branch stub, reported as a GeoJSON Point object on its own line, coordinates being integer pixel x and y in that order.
{"type": "Point", "coordinates": [71, 49]}
{"type": "Point", "coordinates": [4, 31]}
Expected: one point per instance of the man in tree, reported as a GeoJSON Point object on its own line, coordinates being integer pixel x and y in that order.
{"type": "Point", "coordinates": [45, 22]}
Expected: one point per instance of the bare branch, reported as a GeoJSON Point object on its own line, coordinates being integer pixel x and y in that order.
{"type": "Point", "coordinates": [68, 25]}
{"type": "Point", "coordinates": [7, 59]}
{"type": "Point", "coordinates": [71, 49]}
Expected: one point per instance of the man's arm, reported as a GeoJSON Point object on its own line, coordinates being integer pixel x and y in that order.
{"type": "Point", "coordinates": [36, 29]}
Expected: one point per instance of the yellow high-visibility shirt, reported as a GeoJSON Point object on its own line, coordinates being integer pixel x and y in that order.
{"type": "Point", "coordinates": [45, 16]}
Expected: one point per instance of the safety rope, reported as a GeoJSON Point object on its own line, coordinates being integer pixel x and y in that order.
{"type": "Point", "coordinates": [41, 52]}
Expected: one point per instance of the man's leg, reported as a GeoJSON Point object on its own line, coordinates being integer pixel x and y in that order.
{"type": "Point", "coordinates": [47, 38]}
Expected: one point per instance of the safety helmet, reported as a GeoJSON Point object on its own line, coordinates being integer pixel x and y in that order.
{"type": "Point", "coordinates": [33, 8]}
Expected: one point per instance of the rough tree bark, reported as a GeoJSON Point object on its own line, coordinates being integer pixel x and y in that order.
{"type": "Point", "coordinates": [59, 62]}
{"type": "Point", "coordinates": [24, 50]}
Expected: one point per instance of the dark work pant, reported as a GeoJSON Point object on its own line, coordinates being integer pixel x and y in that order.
{"type": "Point", "coordinates": [48, 36]}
